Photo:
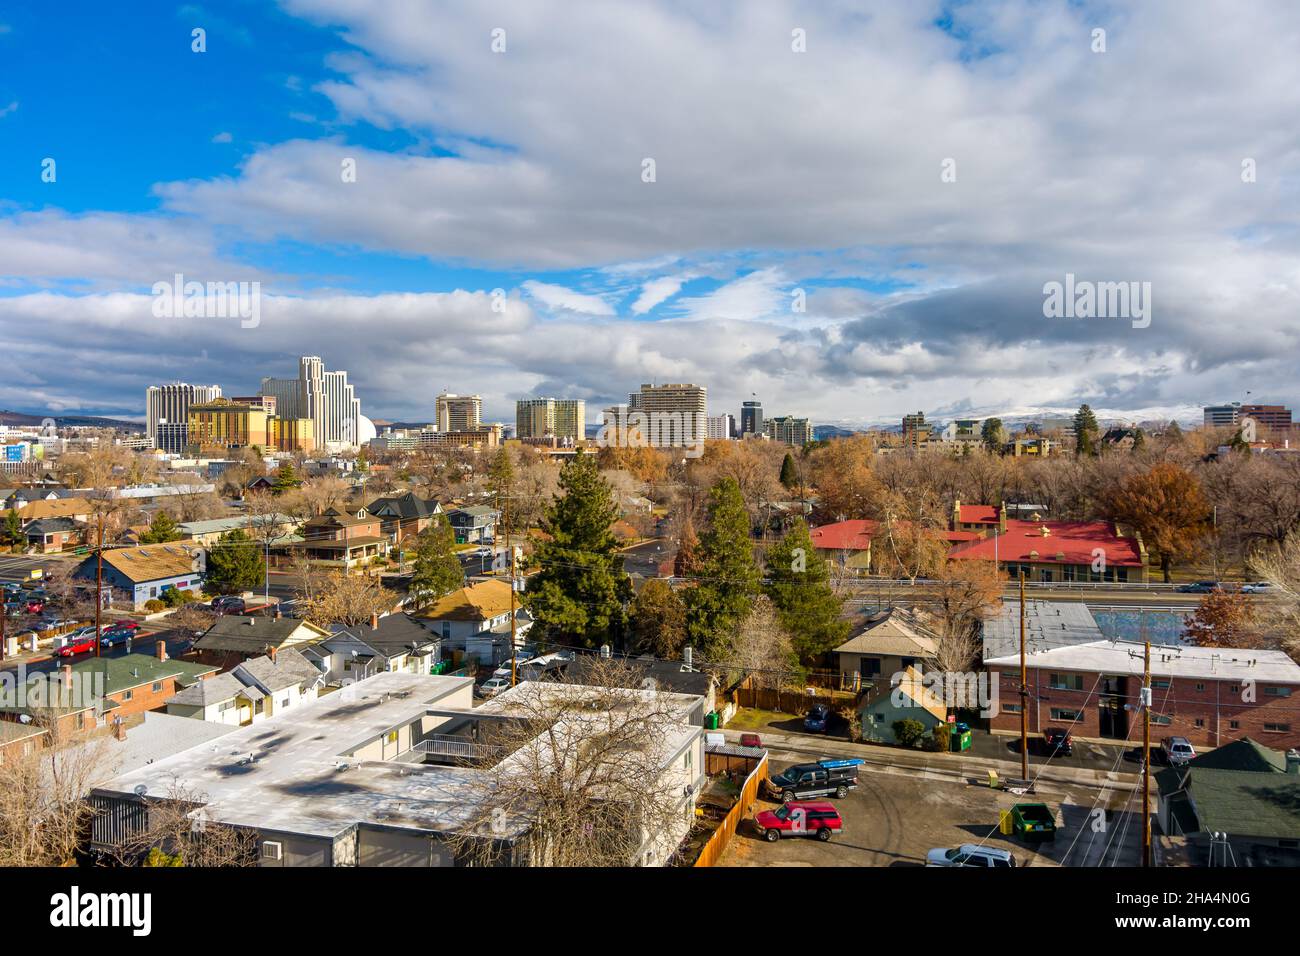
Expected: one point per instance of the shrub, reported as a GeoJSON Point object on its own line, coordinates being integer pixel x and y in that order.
{"type": "Point", "coordinates": [908, 732]}
{"type": "Point", "coordinates": [153, 606]}
{"type": "Point", "coordinates": [942, 736]}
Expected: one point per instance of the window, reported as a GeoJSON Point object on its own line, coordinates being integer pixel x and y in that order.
{"type": "Point", "coordinates": [1061, 713]}
{"type": "Point", "coordinates": [1161, 720]}
{"type": "Point", "coordinates": [127, 695]}
{"type": "Point", "coordinates": [1200, 687]}
{"type": "Point", "coordinates": [1234, 725]}
{"type": "Point", "coordinates": [1065, 681]}
{"type": "Point", "coordinates": [1277, 728]}
{"type": "Point", "coordinates": [1200, 721]}
{"type": "Point", "coordinates": [157, 686]}
{"type": "Point", "coordinates": [1011, 708]}
{"type": "Point", "coordinates": [1159, 683]}
{"type": "Point", "coordinates": [1278, 691]}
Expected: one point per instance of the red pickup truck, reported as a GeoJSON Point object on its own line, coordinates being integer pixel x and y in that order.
{"type": "Point", "coordinates": [799, 819]}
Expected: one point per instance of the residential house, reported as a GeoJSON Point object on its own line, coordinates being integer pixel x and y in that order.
{"type": "Point", "coordinates": [474, 523]}
{"type": "Point", "coordinates": [404, 516]}
{"type": "Point", "coordinates": [1237, 805]}
{"type": "Point", "coordinates": [475, 621]}
{"type": "Point", "coordinates": [904, 697]}
{"type": "Point", "coordinates": [54, 535]}
{"type": "Point", "coordinates": [235, 638]}
{"type": "Point", "coordinates": [19, 740]}
{"type": "Point", "coordinates": [847, 545]}
{"type": "Point", "coordinates": [146, 571]}
{"type": "Point", "coordinates": [394, 642]}
{"type": "Point", "coordinates": [254, 690]}
{"type": "Point", "coordinates": [342, 540]}
{"type": "Point", "coordinates": [888, 643]}
{"type": "Point", "coordinates": [678, 677]}
{"type": "Point", "coordinates": [77, 509]}
{"type": "Point", "coordinates": [206, 533]}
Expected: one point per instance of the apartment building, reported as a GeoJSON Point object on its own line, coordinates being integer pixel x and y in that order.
{"type": "Point", "coordinates": [223, 423]}
{"type": "Point", "coordinates": [672, 415]}
{"type": "Point", "coordinates": [721, 427]}
{"type": "Point", "coordinates": [789, 431]}
{"type": "Point", "coordinates": [551, 418]}
{"type": "Point", "coordinates": [458, 413]}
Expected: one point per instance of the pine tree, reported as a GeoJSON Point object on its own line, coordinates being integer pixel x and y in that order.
{"type": "Point", "coordinates": [501, 477]}
{"type": "Point", "coordinates": [235, 564]}
{"type": "Point", "coordinates": [993, 435]}
{"type": "Point", "coordinates": [1139, 440]}
{"type": "Point", "coordinates": [13, 528]}
{"type": "Point", "coordinates": [789, 472]}
{"type": "Point", "coordinates": [798, 582]}
{"type": "Point", "coordinates": [438, 571]}
{"type": "Point", "coordinates": [728, 577]}
{"type": "Point", "coordinates": [286, 479]}
{"type": "Point", "coordinates": [577, 595]}
{"type": "Point", "coordinates": [162, 529]}
{"type": "Point", "coordinates": [1085, 431]}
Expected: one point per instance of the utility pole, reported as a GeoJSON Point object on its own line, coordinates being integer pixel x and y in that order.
{"type": "Point", "coordinates": [514, 653]}
{"type": "Point", "coordinates": [99, 583]}
{"type": "Point", "coordinates": [1024, 688]}
{"type": "Point", "coordinates": [1146, 753]}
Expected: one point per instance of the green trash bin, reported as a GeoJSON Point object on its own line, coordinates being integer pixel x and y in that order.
{"type": "Point", "coordinates": [960, 741]}
{"type": "Point", "coordinates": [711, 720]}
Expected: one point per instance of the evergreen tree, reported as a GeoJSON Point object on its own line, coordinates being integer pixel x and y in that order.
{"type": "Point", "coordinates": [438, 571]}
{"type": "Point", "coordinates": [235, 564]}
{"type": "Point", "coordinates": [13, 527]}
{"type": "Point", "coordinates": [993, 435]}
{"type": "Point", "coordinates": [1139, 440]}
{"type": "Point", "coordinates": [286, 479]}
{"type": "Point", "coordinates": [162, 529]}
{"type": "Point", "coordinates": [798, 583]}
{"type": "Point", "coordinates": [577, 595]}
{"type": "Point", "coordinates": [1085, 431]}
{"type": "Point", "coordinates": [658, 620]}
{"type": "Point", "coordinates": [363, 463]}
{"type": "Point", "coordinates": [728, 577]}
{"type": "Point", "coordinates": [789, 472]}
{"type": "Point", "coordinates": [501, 477]}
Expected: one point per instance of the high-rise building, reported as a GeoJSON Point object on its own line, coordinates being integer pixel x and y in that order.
{"type": "Point", "coordinates": [222, 423]}
{"type": "Point", "coordinates": [169, 406]}
{"type": "Point", "coordinates": [915, 430]}
{"type": "Point", "coordinates": [1219, 416]}
{"type": "Point", "coordinates": [721, 427]}
{"type": "Point", "coordinates": [550, 418]}
{"type": "Point", "coordinates": [458, 413]}
{"type": "Point", "coordinates": [672, 415]}
{"type": "Point", "coordinates": [324, 397]}
{"type": "Point", "coordinates": [1271, 418]}
{"type": "Point", "coordinates": [790, 431]}
{"type": "Point", "coordinates": [751, 418]}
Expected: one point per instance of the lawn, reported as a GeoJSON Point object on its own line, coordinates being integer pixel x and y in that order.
{"type": "Point", "coordinates": [751, 718]}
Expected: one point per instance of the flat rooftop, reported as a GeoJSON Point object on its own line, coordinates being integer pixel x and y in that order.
{"type": "Point", "coordinates": [293, 783]}
{"type": "Point", "coordinates": [1125, 657]}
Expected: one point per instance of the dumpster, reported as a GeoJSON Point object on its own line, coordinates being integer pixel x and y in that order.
{"type": "Point", "coordinates": [711, 720]}
{"type": "Point", "coordinates": [959, 740]}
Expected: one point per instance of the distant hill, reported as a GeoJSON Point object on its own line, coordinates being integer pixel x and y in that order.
{"type": "Point", "coordinates": [824, 432]}
{"type": "Point", "coordinates": [67, 421]}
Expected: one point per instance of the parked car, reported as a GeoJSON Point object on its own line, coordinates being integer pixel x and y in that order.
{"type": "Point", "coordinates": [821, 779]}
{"type": "Point", "coordinates": [1177, 751]}
{"type": "Point", "coordinates": [35, 605]}
{"type": "Point", "coordinates": [817, 719]}
{"type": "Point", "coordinates": [125, 625]}
{"type": "Point", "coordinates": [751, 740]}
{"type": "Point", "coordinates": [970, 854]}
{"type": "Point", "coordinates": [82, 645]}
{"type": "Point", "coordinates": [228, 604]}
{"type": "Point", "coordinates": [1059, 742]}
{"type": "Point", "coordinates": [114, 638]}
{"type": "Point", "coordinates": [799, 819]}
{"type": "Point", "coordinates": [1258, 587]}
{"type": "Point", "coordinates": [1199, 587]}
{"type": "Point", "coordinates": [1033, 821]}
{"type": "Point", "coordinates": [492, 686]}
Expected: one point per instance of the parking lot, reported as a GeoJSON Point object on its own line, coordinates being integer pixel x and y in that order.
{"type": "Point", "coordinates": [893, 819]}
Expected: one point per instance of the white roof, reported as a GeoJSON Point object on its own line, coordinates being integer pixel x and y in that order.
{"type": "Point", "coordinates": [1125, 657]}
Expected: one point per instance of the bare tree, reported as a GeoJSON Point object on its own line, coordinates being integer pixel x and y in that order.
{"type": "Point", "coordinates": [348, 599]}
{"type": "Point", "coordinates": [178, 832]}
{"type": "Point", "coordinates": [578, 774]}
{"type": "Point", "coordinates": [966, 593]}
{"type": "Point", "coordinates": [760, 648]}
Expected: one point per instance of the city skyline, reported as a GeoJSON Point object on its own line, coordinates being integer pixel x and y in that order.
{"type": "Point", "coordinates": [536, 233]}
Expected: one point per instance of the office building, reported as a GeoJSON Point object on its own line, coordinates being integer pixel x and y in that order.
{"type": "Point", "coordinates": [458, 413]}
{"type": "Point", "coordinates": [226, 424]}
{"type": "Point", "coordinates": [915, 430]}
{"type": "Point", "coordinates": [751, 419]}
{"type": "Point", "coordinates": [550, 418]}
{"type": "Point", "coordinates": [168, 406]}
{"type": "Point", "coordinates": [1222, 416]}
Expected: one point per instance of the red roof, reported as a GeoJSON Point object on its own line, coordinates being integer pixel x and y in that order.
{"type": "Point", "coordinates": [844, 535]}
{"type": "Point", "coordinates": [977, 514]}
{"type": "Point", "coordinates": [1075, 541]}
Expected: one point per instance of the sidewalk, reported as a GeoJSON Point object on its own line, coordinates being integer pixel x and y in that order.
{"type": "Point", "coordinates": [956, 766]}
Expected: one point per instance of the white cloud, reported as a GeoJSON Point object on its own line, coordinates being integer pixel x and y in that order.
{"type": "Point", "coordinates": [558, 297]}
{"type": "Point", "coordinates": [223, 137]}
{"type": "Point", "coordinates": [6, 110]}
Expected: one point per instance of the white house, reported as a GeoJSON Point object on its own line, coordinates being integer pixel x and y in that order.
{"type": "Point", "coordinates": [255, 690]}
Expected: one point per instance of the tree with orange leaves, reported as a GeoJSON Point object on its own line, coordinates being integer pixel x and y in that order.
{"type": "Point", "coordinates": [1167, 507]}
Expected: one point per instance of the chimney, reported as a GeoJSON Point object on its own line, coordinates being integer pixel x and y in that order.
{"type": "Point", "coordinates": [162, 650]}
{"type": "Point", "coordinates": [1002, 518]}
{"type": "Point", "coordinates": [119, 728]}
{"type": "Point", "coordinates": [604, 651]}
{"type": "Point", "coordinates": [67, 677]}
{"type": "Point", "coordinates": [688, 656]}
{"type": "Point", "coordinates": [276, 612]}
{"type": "Point", "coordinates": [270, 652]}
{"type": "Point", "coordinates": [374, 621]}
{"type": "Point", "coordinates": [1293, 761]}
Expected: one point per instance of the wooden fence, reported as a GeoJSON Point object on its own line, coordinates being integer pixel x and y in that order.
{"type": "Point", "coordinates": [712, 850]}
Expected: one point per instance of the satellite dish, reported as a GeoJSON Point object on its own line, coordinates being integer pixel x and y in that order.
{"type": "Point", "coordinates": [141, 790]}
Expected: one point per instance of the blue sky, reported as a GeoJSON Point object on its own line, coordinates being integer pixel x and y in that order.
{"type": "Point", "coordinates": [797, 242]}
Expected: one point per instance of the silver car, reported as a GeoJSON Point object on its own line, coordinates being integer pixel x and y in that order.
{"type": "Point", "coordinates": [1177, 751]}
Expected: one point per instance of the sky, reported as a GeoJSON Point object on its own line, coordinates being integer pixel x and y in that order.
{"type": "Point", "coordinates": [850, 211]}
